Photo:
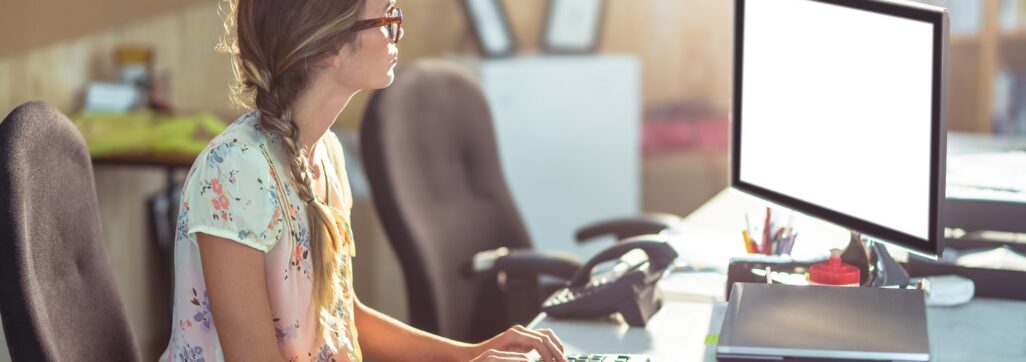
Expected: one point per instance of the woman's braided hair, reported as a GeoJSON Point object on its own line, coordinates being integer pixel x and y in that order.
{"type": "Point", "coordinates": [272, 44]}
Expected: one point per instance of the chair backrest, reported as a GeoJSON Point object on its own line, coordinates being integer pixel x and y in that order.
{"type": "Point", "coordinates": [58, 299]}
{"type": "Point", "coordinates": [429, 150]}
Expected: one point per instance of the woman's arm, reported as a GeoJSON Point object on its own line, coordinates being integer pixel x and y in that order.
{"type": "Point", "coordinates": [382, 338]}
{"type": "Point", "coordinates": [237, 288]}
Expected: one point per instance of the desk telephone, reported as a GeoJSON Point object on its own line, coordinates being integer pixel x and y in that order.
{"type": "Point", "coordinates": [629, 288]}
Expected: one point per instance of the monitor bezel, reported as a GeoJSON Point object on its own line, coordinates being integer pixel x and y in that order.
{"type": "Point", "coordinates": [933, 245]}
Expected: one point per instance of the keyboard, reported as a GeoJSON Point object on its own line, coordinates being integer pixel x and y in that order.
{"type": "Point", "coordinates": [603, 357]}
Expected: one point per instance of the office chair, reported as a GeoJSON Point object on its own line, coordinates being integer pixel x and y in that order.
{"type": "Point", "coordinates": [430, 154]}
{"type": "Point", "coordinates": [59, 301]}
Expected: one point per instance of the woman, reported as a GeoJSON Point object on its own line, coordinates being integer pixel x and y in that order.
{"type": "Point", "coordinates": [263, 244]}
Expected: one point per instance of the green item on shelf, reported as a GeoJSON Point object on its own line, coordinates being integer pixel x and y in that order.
{"type": "Point", "coordinates": [147, 133]}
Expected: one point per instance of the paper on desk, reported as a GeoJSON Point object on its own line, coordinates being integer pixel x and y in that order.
{"type": "Point", "coordinates": [694, 286]}
{"type": "Point", "coordinates": [998, 176]}
{"type": "Point", "coordinates": [1002, 258]}
{"type": "Point", "coordinates": [706, 248]}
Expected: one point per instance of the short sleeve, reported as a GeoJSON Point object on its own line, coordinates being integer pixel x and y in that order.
{"type": "Point", "coordinates": [231, 194]}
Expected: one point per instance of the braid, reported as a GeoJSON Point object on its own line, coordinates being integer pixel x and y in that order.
{"type": "Point", "coordinates": [271, 43]}
{"type": "Point", "coordinates": [276, 119]}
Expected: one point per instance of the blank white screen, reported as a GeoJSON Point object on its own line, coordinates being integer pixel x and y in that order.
{"type": "Point", "coordinates": [836, 110]}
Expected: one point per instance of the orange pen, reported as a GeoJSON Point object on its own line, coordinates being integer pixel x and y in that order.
{"type": "Point", "coordinates": [750, 246]}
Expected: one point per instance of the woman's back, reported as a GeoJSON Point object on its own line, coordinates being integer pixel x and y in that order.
{"type": "Point", "coordinates": [238, 189]}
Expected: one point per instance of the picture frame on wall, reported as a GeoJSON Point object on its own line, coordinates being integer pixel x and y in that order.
{"type": "Point", "coordinates": [491, 27]}
{"type": "Point", "coordinates": [573, 26]}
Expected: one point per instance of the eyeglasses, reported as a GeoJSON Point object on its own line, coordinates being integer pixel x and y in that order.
{"type": "Point", "coordinates": [393, 22]}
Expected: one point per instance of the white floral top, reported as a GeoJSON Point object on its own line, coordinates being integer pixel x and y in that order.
{"type": "Point", "coordinates": [239, 189]}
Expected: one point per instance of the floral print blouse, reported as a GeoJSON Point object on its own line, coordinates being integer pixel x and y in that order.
{"type": "Point", "coordinates": [239, 189]}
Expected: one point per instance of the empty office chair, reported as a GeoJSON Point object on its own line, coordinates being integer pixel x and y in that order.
{"type": "Point", "coordinates": [58, 299]}
{"type": "Point", "coordinates": [430, 153]}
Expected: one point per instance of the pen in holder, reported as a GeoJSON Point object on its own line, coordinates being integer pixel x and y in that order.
{"type": "Point", "coordinates": [877, 267]}
{"type": "Point", "coordinates": [776, 236]}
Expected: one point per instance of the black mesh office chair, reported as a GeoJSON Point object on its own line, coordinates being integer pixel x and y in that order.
{"type": "Point", "coordinates": [431, 158]}
{"type": "Point", "coordinates": [59, 301]}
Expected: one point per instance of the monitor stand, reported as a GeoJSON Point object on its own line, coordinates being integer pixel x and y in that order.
{"type": "Point", "coordinates": [874, 260]}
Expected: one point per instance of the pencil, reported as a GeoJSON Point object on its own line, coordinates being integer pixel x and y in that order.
{"type": "Point", "coordinates": [750, 246]}
{"type": "Point", "coordinates": [766, 232]}
{"type": "Point", "coordinates": [778, 239]}
{"type": "Point", "coordinates": [790, 244]}
{"type": "Point", "coordinates": [754, 247]}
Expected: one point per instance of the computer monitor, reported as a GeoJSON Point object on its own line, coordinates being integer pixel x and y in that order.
{"type": "Point", "coordinates": [839, 113]}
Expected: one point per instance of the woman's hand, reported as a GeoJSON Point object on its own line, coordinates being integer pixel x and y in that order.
{"type": "Point", "coordinates": [514, 343]}
{"type": "Point", "coordinates": [492, 355]}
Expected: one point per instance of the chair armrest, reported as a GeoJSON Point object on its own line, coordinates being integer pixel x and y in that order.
{"type": "Point", "coordinates": [626, 227]}
{"type": "Point", "coordinates": [523, 263]}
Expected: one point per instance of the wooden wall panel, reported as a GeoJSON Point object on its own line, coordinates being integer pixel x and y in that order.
{"type": "Point", "coordinates": [527, 18]}
{"type": "Point", "coordinates": [184, 44]}
{"type": "Point", "coordinates": [29, 24]}
{"type": "Point", "coordinates": [5, 91]}
{"type": "Point", "coordinates": [964, 74]}
{"type": "Point", "coordinates": [684, 46]}
{"type": "Point", "coordinates": [121, 193]}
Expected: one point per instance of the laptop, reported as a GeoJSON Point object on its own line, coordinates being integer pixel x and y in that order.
{"type": "Point", "coordinates": [774, 322]}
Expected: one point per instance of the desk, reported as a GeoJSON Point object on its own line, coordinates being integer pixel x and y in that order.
{"type": "Point", "coordinates": [171, 163]}
{"type": "Point", "coordinates": [983, 330]}
{"type": "Point", "coordinates": [139, 213]}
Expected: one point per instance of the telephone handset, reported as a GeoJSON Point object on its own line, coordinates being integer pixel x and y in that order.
{"type": "Point", "coordinates": [629, 288]}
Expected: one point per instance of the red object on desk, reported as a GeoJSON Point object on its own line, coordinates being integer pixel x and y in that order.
{"type": "Point", "coordinates": [834, 272]}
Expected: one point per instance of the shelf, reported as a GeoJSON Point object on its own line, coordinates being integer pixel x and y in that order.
{"type": "Point", "coordinates": [1019, 34]}
{"type": "Point", "coordinates": [146, 160]}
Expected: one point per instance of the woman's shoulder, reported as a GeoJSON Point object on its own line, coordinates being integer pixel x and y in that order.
{"type": "Point", "coordinates": [230, 192]}
{"type": "Point", "coordinates": [239, 147]}
{"type": "Point", "coordinates": [244, 130]}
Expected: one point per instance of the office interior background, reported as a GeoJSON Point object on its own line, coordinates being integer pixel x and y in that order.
{"type": "Point", "coordinates": [674, 95]}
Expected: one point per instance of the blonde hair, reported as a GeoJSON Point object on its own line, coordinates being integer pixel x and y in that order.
{"type": "Point", "coordinates": [272, 44]}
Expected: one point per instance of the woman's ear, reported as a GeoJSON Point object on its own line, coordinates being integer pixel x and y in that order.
{"type": "Point", "coordinates": [331, 60]}
{"type": "Point", "coordinates": [342, 55]}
